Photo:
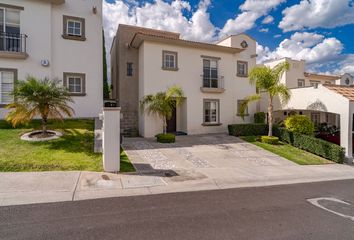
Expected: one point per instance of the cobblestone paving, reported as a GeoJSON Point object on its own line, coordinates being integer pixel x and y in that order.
{"type": "Point", "coordinates": [196, 161]}
{"type": "Point", "coordinates": [153, 156]}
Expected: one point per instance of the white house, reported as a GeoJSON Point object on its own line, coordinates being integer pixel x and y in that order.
{"type": "Point", "coordinates": [323, 98]}
{"type": "Point", "coordinates": [59, 39]}
{"type": "Point", "coordinates": [214, 78]}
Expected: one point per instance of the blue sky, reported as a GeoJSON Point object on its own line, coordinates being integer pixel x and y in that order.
{"type": "Point", "coordinates": [319, 31]}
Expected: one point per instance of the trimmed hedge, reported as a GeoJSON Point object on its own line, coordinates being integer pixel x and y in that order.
{"type": "Point", "coordinates": [259, 117]}
{"type": "Point", "coordinates": [311, 144]}
{"type": "Point", "coordinates": [254, 129]}
{"type": "Point", "coordinates": [270, 140]}
{"type": "Point", "coordinates": [166, 138]}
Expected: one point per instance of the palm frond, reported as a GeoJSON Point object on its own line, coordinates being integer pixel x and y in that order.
{"type": "Point", "coordinates": [246, 102]}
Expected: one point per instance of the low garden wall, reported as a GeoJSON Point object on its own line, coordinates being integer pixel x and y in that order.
{"type": "Point", "coordinates": [311, 144]}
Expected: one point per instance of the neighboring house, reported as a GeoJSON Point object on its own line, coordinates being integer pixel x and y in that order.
{"type": "Point", "coordinates": [323, 98]}
{"type": "Point", "coordinates": [55, 39]}
{"type": "Point", "coordinates": [214, 78]}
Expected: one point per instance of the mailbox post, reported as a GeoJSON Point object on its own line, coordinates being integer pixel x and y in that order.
{"type": "Point", "coordinates": [111, 139]}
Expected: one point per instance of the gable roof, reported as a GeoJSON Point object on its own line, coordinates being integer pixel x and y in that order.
{"type": "Point", "coordinates": [140, 37]}
{"type": "Point", "coordinates": [345, 91]}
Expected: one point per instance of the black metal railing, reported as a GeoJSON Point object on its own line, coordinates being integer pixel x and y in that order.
{"type": "Point", "coordinates": [13, 42]}
{"type": "Point", "coordinates": [212, 82]}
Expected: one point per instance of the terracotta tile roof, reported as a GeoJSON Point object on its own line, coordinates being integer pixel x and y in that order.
{"type": "Point", "coordinates": [322, 76]}
{"type": "Point", "coordinates": [141, 36]}
{"type": "Point", "coordinates": [124, 27]}
{"type": "Point", "coordinates": [345, 91]}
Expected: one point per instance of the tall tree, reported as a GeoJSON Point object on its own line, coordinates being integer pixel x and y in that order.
{"type": "Point", "coordinates": [44, 98]}
{"type": "Point", "coordinates": [267, 80]}
{"type": "Point", "coordinates": [163, 103]}
{"type": "Point", "coordinates": [105, 76]}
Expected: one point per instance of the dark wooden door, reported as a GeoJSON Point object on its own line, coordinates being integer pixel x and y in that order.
{"type": "Point", "coordinates": [172, 123]}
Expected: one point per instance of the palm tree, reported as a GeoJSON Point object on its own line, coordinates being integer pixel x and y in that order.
{"type": "Point", "coordinates": [267, 80]}
{"type": "Point", "coordinates": [163, 103]}
{"type": "Point", "coordinates": [44, 98]}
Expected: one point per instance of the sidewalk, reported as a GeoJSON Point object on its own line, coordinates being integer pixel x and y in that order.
{"type": "Point", "coordinates": [41, 187]}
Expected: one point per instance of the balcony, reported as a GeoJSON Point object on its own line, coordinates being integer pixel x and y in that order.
{"type": "Point", "coordinates": [212, 84]}
{"type": "Point", "coordinates": [13, 45]}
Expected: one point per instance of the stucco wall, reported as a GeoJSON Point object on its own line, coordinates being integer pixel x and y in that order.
{"type": "Point", "coordinates": [190, 64]}
{"type": "Point", "coordinates": [43, 23]}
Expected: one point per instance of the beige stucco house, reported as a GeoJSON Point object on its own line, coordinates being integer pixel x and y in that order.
{"type": "Point", "coordinates": [214, 78]}
{"type": "Point", "coordinates": [56, 39]}
{"type": "Point", "coordinates": [323, 98]}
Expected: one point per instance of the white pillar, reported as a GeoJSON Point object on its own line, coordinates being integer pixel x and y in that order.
{"type": "Point", "coordinates": [346, 121]}
{"type": "Point", "coordinates": [111, 139]}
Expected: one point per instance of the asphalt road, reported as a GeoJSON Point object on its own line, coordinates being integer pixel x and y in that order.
{"type": "Point", "coordinates": [279, 212]}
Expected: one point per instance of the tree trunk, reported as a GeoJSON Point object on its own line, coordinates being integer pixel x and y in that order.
{"type": "Point", "coordinates": [164, 125]}
{"type": "Point", "coordinates": [270, 116]}
{"type": "Point", "coordinates": [44, 125]}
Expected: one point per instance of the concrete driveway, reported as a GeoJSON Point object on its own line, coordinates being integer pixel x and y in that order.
{"type": "Point", "coordinates": [224, 161]}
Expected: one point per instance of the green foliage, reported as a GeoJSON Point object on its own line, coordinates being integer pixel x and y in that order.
{"type": "Point", "coordinates": [270, 140]}
{"type": "Point", "coordinates": [248, 129]}
{"type": "Point", "coordinates": [300, 124]}
{"type": "Point", "coordinates": [166, 138]}
{"type": "Point", "coordinates": [45, 98]}
{"type": "Point", "coordinates": [105, 78]}
{"type": "Point", "coordinates": [163, 103]}
{"type": "Point", "coordinates": [267, 80]}
{"type": "Point", "coordinates": [259, 117]}
{"type": "Point", "coordinates": [311, 144]}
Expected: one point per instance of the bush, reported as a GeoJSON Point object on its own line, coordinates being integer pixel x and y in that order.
{"type": "Point", "coordinates": [259, 117]}
{"type": "Point", "coordinates": [270, 140]}
{"type": "Point", "coordinates": [300, 124]}
{"type": "Point", "coordinates": [166, 138]}
{"type": "Point", "coordinates": [311, 144]}
{"type": "Point", "coordinates": [255, 129]}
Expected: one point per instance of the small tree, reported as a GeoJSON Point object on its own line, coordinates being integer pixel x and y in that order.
{"type": "Point", "coordinates": [105, 76]}
{"type": "Point", "coordinates": [267, 80]}
{"type": "Point", "coordinates": [163, 103]}
{"type": "Point", "coordinates": [300, 124]}
{"type": "Point", "coordinates": [44, 98]}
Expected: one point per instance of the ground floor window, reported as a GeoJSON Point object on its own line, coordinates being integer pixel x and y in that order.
{"type": "Point", "coordinates": [211, 111]}
{"type": "Point", "coordinates": [239, 104]}
{"type": "Point", "coordinates": [7, 80]}
{"type": "Point", "coordinates": [75, 83]}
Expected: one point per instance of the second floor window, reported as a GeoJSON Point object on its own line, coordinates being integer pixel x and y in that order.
{"type": "Point", "coordinates": [129, 69]}
{"type": "Point", "coordinates": [74, 28]}
{"type": "Point", "coordinates": [210, 73]}
{"type": "Point", "coordinates": [242, 69]}
{"type": "Point", "coordinates": [169, 60]}
{"type": "Point", "coordinates": [10, 29]}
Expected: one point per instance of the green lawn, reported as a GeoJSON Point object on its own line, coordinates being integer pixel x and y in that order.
{"type": "Point", "coordinates": [289, 152]}
{"type": "Point", "coordinates": [73, 151]}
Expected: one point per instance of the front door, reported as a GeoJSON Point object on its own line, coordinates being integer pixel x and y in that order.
{"type": "Point", "coordinates": [172, 123]}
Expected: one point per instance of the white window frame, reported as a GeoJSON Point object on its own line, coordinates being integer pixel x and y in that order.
{"type": "Point", "coordinates": [217, 111]}
{"type": "Point", "coordinates": [13, 85]}
{"type": "Point", "coordinates": [67, 28]}
{"type": "Point", "coordinates": [74, 77]}
{"type": "Point", "coordinates": [244, 65]}
{"type": "Point", "coordinates": [10, 24]}
{"type": "Point", "coordinates": [169, 63]}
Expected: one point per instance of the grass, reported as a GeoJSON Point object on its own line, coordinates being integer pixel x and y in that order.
{"type": "Point", "coordinates": [72, 152]}
{"type": "Point", "coordinates": [289, 152]}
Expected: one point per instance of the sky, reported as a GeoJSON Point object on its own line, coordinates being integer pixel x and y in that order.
{"type": "Point", "coordinates": [318, 31]}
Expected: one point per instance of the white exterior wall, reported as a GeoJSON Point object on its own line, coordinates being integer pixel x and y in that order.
{"type": "Point", "coordinates": [43, 23]}
{"type": "Point", "coordinates": [153, 79]}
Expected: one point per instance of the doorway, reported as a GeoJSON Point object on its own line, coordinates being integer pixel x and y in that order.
{"type": "Point", "coordinates": [172, 123]}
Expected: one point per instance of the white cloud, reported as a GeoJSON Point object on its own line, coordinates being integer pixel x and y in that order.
{"type": "Point", "coordinates": [251, 11]}
{"type": "Point", "coordinates": [268, 19]}
{"type": "Point", "coordinates": [309, 14]}
{"type": "Point", "coordinates": [312, 47]}
{"type": "Point", "coordinates": [264, 30]}
{"type": "Point", "coordinates": [277, 36]}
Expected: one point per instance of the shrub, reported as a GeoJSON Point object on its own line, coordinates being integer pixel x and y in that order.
{"type": "Point", "coordinates": [259, 117]}
{"type": "Point", "coordinates": [300, 124]}
{"type": "Point", "coordinates": [270, 140]}
{"type": "Point", "coordinates": [255, 129]}
{"type": "Point", "coordinates": [311, 144]}
{"type": "Point", "coordinates": [166, 138]}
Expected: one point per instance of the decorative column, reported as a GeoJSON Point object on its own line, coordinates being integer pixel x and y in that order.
{"type": "Point", "coordinates": [111, 139]}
